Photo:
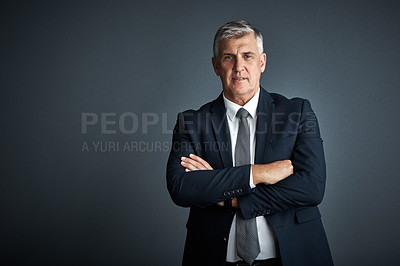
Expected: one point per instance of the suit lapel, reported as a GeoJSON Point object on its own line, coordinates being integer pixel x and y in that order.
{"type": "Point", "coordinates": [221, 131]}
{"type": "Point", "coordinates": [265, 109]}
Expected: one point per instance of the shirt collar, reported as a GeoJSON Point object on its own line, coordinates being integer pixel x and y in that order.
{"type": "Point", "coordinates": [250, 106]}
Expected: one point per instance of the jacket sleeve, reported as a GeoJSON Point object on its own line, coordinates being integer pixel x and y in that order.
{"type": "Point", "coordinates": [303, 188]}
{"type": "Point", "coordinates": [200, 188]}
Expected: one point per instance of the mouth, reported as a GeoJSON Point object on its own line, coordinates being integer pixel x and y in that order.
{"type": "Point", "coordinates": [239, 79]}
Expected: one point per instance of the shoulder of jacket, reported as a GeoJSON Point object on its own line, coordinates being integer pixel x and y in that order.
{"type": "Point", "coordinates": [203, 109]}
{"type": "Point", "coordinates": [279, 98]}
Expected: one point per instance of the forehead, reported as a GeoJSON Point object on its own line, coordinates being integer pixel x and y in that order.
{"type": "Point", "coordinates": [247, 43]}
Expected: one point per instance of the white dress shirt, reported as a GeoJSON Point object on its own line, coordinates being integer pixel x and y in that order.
{"type": "Point", "coordinates": [266, 236]}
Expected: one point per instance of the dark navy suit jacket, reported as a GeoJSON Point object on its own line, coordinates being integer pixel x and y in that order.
{"type": "Point", "coordinates": [285, 129]}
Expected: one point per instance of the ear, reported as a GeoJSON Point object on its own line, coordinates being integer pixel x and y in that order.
{"type": "Point", "coordinates": [263, 62]}
{"type": "Point", "coordinates": [215, 65]}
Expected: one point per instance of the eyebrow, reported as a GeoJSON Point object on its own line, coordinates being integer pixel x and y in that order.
{"type": "Point", "coordinates": [245, 53]}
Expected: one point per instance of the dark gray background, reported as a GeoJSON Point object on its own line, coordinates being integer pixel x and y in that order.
{"type": "Point", "coordinates": [62, 205]}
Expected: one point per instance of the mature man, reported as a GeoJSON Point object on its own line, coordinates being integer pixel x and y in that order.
{"type": "Point", "coordinates": [250, 165]}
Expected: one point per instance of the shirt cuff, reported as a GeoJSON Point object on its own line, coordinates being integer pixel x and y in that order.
{"type": "Point", "coordinates": [251, 179]}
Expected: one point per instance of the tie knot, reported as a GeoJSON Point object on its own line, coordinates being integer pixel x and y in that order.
{"type": "Point", "coordinates": [242, 113]}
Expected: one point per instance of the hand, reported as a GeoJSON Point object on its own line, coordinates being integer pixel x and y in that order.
{"type": "Point", "coordinates": [235, 203]}
{"type": "Point", "coordinates": [195, 163]}
{"type": "Point", "coordinates": [271, 173]}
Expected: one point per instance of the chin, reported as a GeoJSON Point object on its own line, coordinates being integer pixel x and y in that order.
{"type": "Point", "coordinates": [241, 90]}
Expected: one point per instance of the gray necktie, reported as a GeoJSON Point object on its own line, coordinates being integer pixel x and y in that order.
{"type": "Point", "coordinates": [247, 243]}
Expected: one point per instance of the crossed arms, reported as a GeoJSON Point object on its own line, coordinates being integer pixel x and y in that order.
{"type": "Point", "coordinates": [280, 185]}
{"type": "Point", "coordinates": [267, 174]}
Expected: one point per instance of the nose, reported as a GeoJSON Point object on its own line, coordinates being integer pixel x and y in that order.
{"type": "Point", "coordinates": [239, 64]}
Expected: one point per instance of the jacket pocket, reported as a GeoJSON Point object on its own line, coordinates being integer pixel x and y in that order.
{"type": "Point", "coordinates": [308, 214]}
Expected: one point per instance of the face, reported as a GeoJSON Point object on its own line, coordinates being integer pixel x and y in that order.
{"type": "Point", "coordinates": [239, 65]}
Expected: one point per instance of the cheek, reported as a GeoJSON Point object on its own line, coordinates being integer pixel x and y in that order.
{"type": "Point", "coordinates": [226, 74]}
{"type": "Point", "coordinates": [226, 68]}
{"type": "Point", "coordinates": [256, 72]}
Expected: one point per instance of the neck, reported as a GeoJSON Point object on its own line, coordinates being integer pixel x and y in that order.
{"type": "Point", "coordinates": [240, 99]}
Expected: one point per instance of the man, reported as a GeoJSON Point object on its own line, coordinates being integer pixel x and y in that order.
{"type": "Point", "coordinates": [250, 166]}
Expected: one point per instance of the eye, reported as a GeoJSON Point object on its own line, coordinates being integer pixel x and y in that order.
{"type": "Point", "coordinates": [227, 57]}
{"type": "Point", "coordinates": [247, 56]}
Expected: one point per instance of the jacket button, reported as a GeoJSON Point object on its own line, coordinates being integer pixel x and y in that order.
{"type": "Point", "coordinates": [225, 239]}
{"type": "Point", "coordinates": [269, 211]}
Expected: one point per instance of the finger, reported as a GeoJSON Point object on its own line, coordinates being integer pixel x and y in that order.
{"type": "Point", "coordinates": [195, 163]}
{"type": "Point", "coordinates": [192, 165]}
{"type": "Point", "coordinates": [235, 203]}
{"type": "Point", "coordinates": [198, 159]}
{"type": "Point", "coordinates": [198, 164]}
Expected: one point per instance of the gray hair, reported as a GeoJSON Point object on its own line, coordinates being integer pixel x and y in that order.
{"type": "Point", "coordinates": [234, 30]}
